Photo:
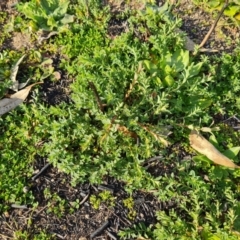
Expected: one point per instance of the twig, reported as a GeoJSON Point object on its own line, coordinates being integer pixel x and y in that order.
{"type": "Point", "coordinates": [99, 102]}
{"type": "Point", "coordinates": [152, 159]}
{"type": "Point", "coordinates": [37, 213]}
{"type": "Point", "coordinates": [41, 171]}
{"type": "Point", "coordinates": [59, 236]}
{"type": "Point", "coordinates": [111, 235]}
{"type": "Point", "coordinates": [233, 117]}
{"type": "Point", "coordinates": [84, 199]}
{"type": "Point", "coordinates": [5, 237]}
{"type": "Point", "coordinates": [99, 230]}
{"type": "Point", "coordinates": [214, 25]}
{"type": "Point", "coordinates": [105, 188]}
{"type": "Point", "coordinates": [19, 206]}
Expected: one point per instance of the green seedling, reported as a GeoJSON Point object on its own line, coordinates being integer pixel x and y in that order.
{"type": "Point", "coordinates": [129, 204]}
{"type": "Point", "coordinates": [56, 204]}
{"type": "Point", "coordinates": [47, 15]}
{"type": "Point", "coordinates": [104, 197]}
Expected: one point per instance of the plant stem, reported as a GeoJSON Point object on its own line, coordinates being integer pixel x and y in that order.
{"type": "Point", "coordinates": [214, 25]}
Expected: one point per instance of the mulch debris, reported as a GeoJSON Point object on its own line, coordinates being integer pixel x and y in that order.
{"type": "Point", "coordinates": [103, 223]}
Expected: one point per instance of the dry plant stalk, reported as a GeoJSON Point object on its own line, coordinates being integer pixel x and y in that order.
{"type": "Point", "coordinates": [156, 136]}
{"type": "Point", "coordinates": [127, 132]}
{"type": "Point", "coordinates": [214, 25]}
{"type": "Point", "coordinates": [133, 82]}
{"type": "Point", "coordinates": [99, 102]}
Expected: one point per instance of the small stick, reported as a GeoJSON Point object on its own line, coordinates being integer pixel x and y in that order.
{"type": "Point", "coordinates": [214, 25]}
{"type": "Point", "coordinates": [105, 188]}
{"type": "Point", "coordinates": [4, 236]}
{"type": "Point", "coordinates": [99, 230]}
{"type": "Point", "coordinates": [152, 159]}
{"type": "Point", "coordinates": [41, 171]}
{"type": "Point", "coordinates": [19, 206]}
{"type": "Point", "coordinates": [94, 89]}
{"type": "Point", "coordinates": [111, 235]}
{"type": "Point", "coordinates": [84, 199]}
{"type": "Point", "coordinates": [59, 236]}
{"type": "Point", "coordinates": [41, 210]}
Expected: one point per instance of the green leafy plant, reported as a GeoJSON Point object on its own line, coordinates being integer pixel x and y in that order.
{"type": "Point", "coordinates": [104, 197]}
{"type": "Point", "coordinates": [56, 204]}
{"type": "Point", "coordinates": [232, 11]}
{"type": "Point", "coordinates": [133, 94]}
{"type": "Point", "coordinates": [129, 204]}
{"type": "Point", "coordinates": [48, 15]}
{"type": "Point", "coordinates": [21, 235]}
{"type": "Point", "coordinates": [138, 231]}
{"type": "Point", "coordinates": [200, 210]}
{"type": "Point", "coordinates": [7, 59]}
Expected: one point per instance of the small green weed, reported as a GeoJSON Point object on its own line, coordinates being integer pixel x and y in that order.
{"type": "Point", "coordinates": [138, 231]}
{"type": "Point", "coordinates": [56, 204]}
{"type": "Point", "coordinates": [105, 197]}
{"type": "Point", "coordinates": [23, 235]}
{"type": "Point", "coordinates": [129, 204]}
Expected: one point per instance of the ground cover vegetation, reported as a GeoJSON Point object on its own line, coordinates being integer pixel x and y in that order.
{"type": "Point", "coordinates": [135, 95]}
{"type": "Point", "coordinates": [232, 10]}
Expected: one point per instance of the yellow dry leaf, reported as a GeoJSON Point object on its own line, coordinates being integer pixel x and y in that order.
{"type": "Point", "coordinates": [7, 104]}
{"type": "Point", "coordinates": [203, 146]}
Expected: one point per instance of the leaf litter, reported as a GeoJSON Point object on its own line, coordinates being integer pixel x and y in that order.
{"type": "Point", "coordinates": [7, 104]}
{"type": "Point", "coordinates": [203, 146]}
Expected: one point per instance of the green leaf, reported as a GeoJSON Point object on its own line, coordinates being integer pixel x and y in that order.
{"type": "Point", "coordinates": [168, 81]}
{"type": "Point", "coordinates": [205, 103]}
{"type": "Point", "coordinates": [149, 66]}
{"type": "Point", "coordinates": [61, 10]}
{"type": "Point", "coordinates": [50, 5]}
{"type": "Point", "coordinates": [179, 60]}
{"type": "Point", "coordinates": [67, 19]}
{"type": "Point", "coordinates": [85, 143]}
{"type": "Point", "coordinates": [51, 22]}
{"type": "Point", "coordinates": [194, 70]}
{"type": "Point", "coordinates": [164, 8]}
{"type": "Point", "coordinates": [203, 159]}
{"type": "Point", "coordinates": [232, 152]}
{"type": "Point", "coordinates": [214, 3]}
{"type": "Point", "coordinates": [232, 10]}
{"type": "Point", "coordinates": [213, 140]}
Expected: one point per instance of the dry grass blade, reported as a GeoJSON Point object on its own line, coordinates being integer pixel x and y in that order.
{"type": "Point", "coordinates": [203, 146]}
{"type": "Point", "coordinates": [127, 132]}
{"type": "Point", "coordinates": [155, 135]}
{"type": "Point", "coordinates": [7, 104]}
{"type": "Point", "coordinates": [140, 68]}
